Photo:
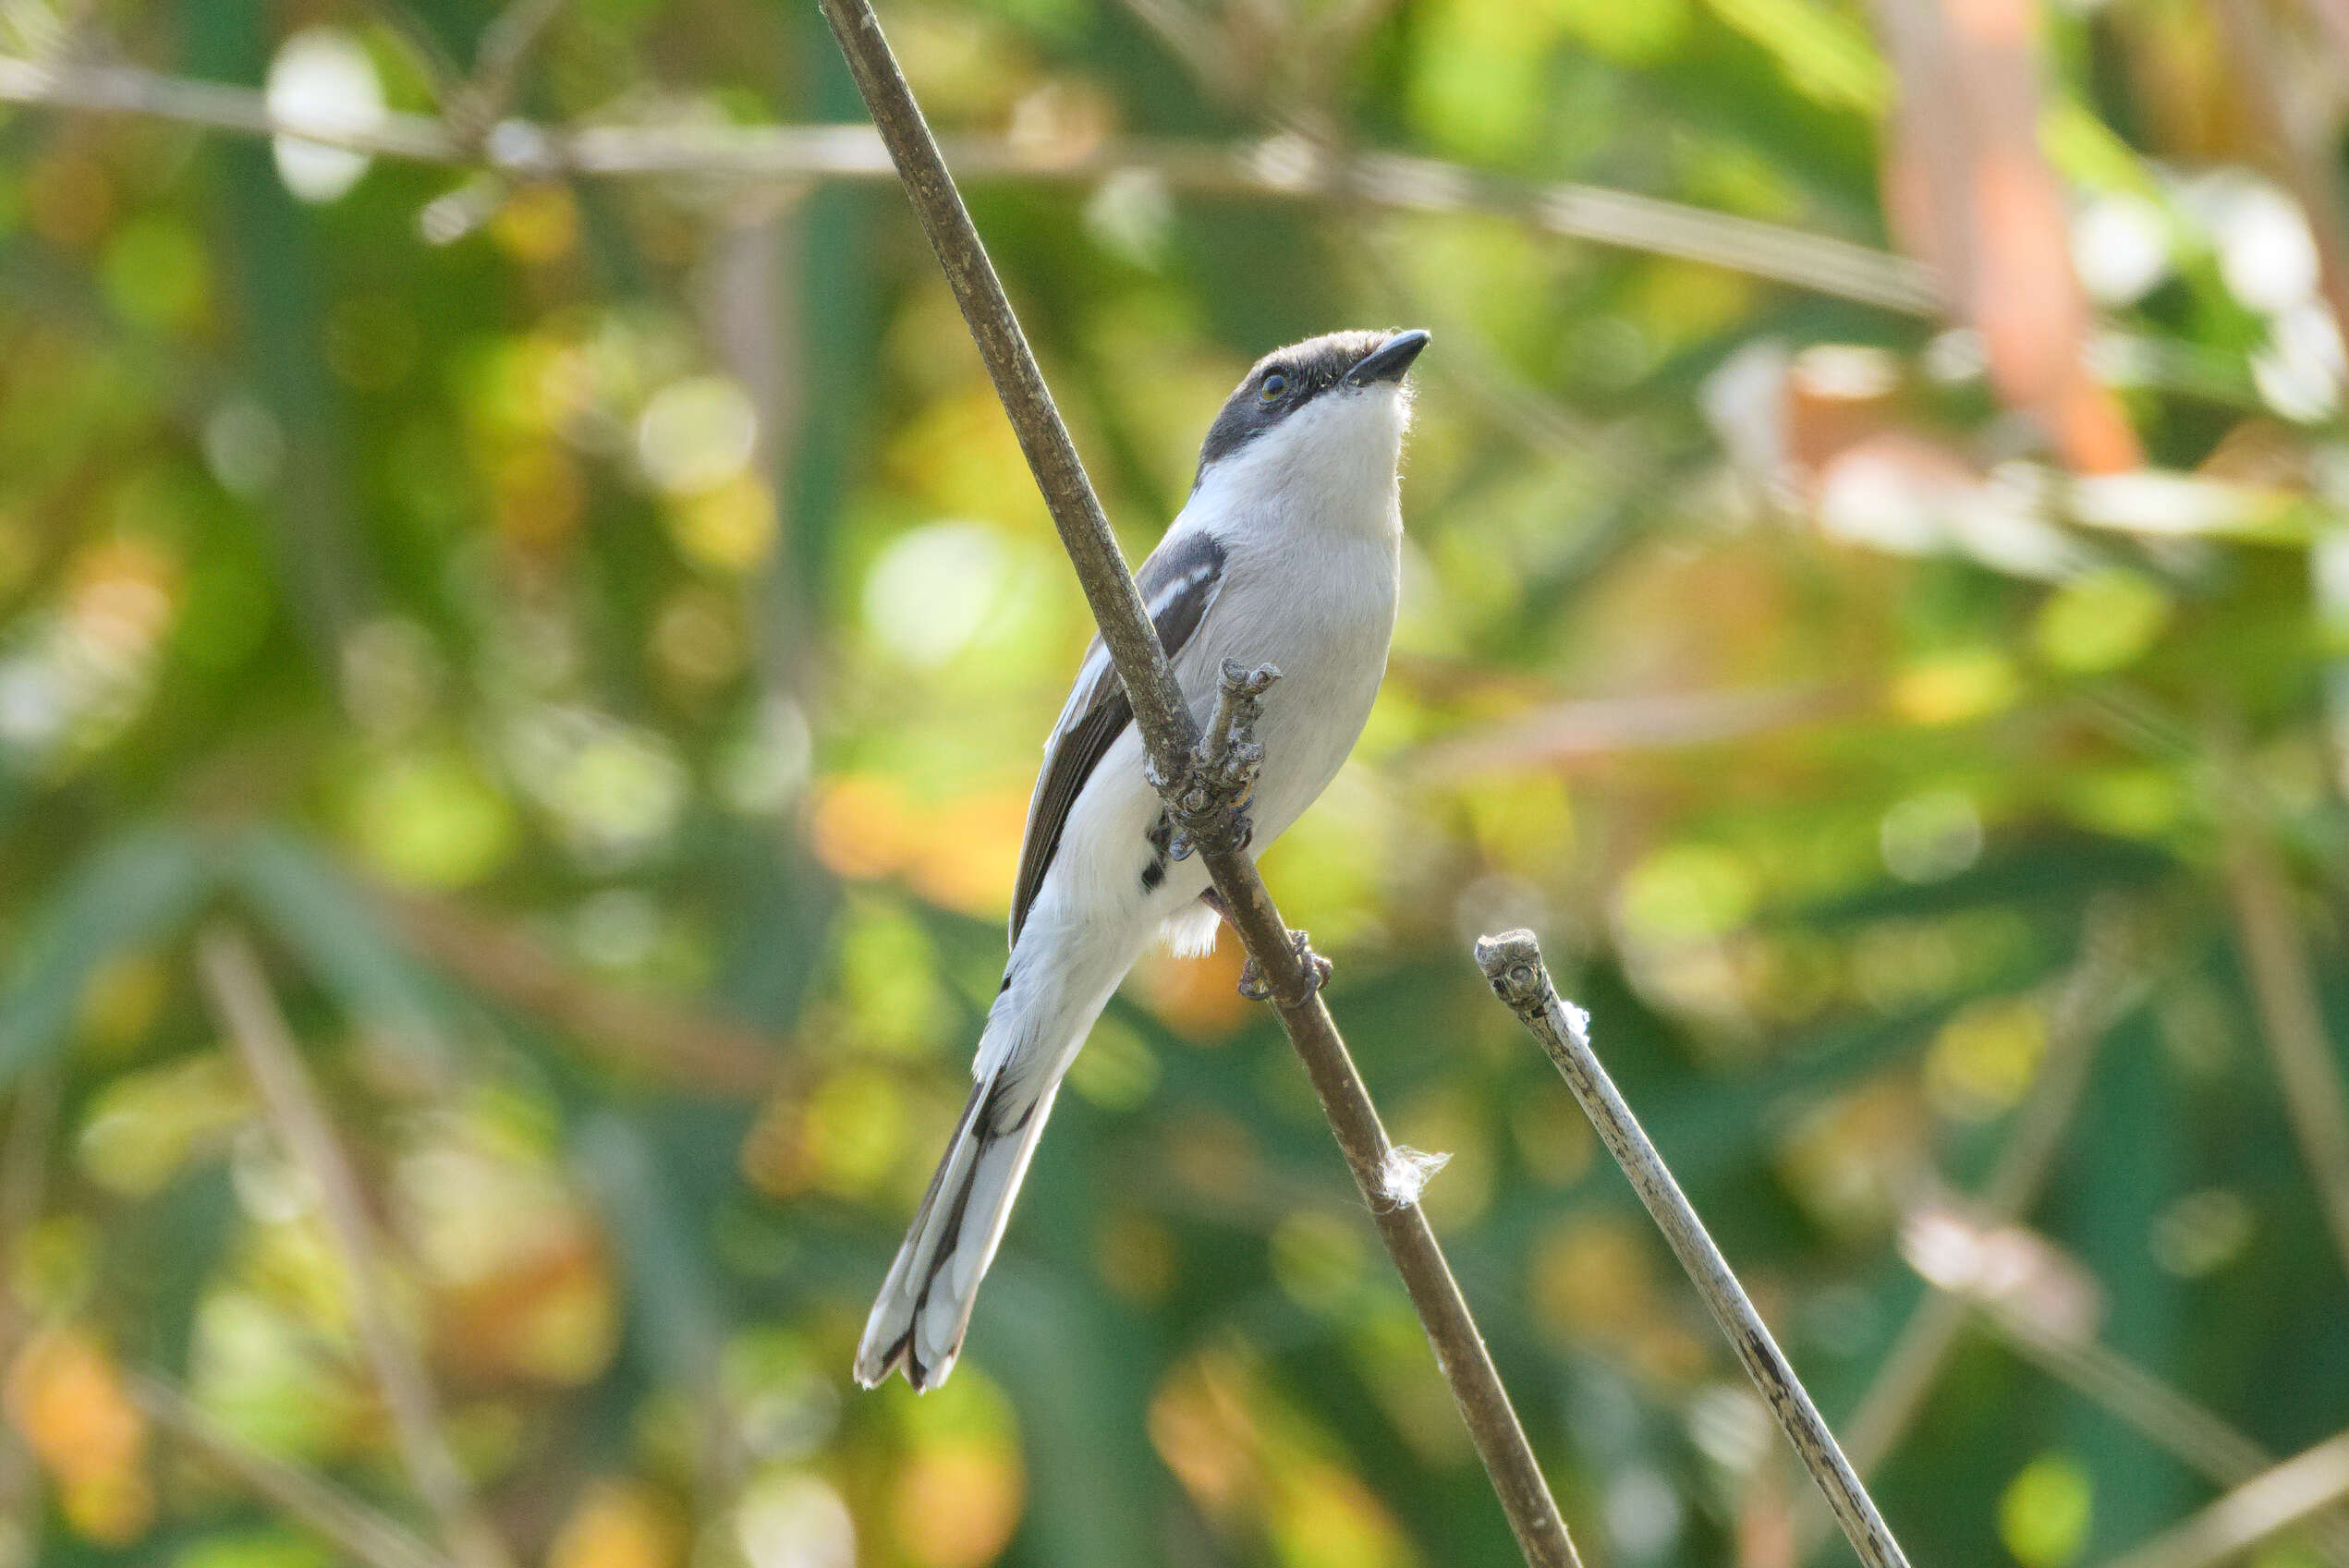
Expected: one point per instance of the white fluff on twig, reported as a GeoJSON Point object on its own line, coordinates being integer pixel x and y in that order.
{"type": "Point", "coordinates": [1407, 1172]}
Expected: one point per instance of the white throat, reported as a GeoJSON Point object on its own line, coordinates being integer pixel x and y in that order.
{"type": "Point", "coordinates": [1330, 465]}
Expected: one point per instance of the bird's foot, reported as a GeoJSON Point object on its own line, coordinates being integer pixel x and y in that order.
{"type": "Point", "coordinates": [1233, 831]}
{"type": "Point", "coordinates": [1208, 804]}
{"type": "Point", "coordinates": [1312, 968]}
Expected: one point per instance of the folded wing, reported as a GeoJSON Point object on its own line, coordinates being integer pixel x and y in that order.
{"type": "Point", "coordinates": [1179, 583]}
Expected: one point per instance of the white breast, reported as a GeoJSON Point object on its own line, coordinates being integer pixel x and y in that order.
{"type": "Point", "coordinates": [1310, 518]}
{"type": "Point", "coordinates": [1326, 622]}
{"type": "Point", "coordinates": [1310, 522]}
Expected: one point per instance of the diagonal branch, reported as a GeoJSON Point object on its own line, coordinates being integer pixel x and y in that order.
{"type": "Point", "coordinates": [2097, 1372]}
{"type": "Point", "coordinates": [240, 1000]}
{"type": "Point", "coordinates": [358, 1531]}
{"type": "Point", "coordinates": [505, 45]}
{"type": "Point", "coordinates": [2111, 977]}
{"type": "Point", "coordinates": [1171, 739]}
{"type": "Point", "coordinates": [667, 1042]}
{"type": "Point", "coordinates": [2260, 1509]}
{"type": "Point", "coordinates": [1512, 962]}
{"type": "Point", "coordinates": [2284, 989]}
{"type": "Point", "coordinates": [1284, 168]}
{"type": "Point", "coordinates": [2109, 981]}
{"type": "Point", "coordinates": [443, 75]}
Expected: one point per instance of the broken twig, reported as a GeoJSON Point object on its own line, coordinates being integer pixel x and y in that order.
{"type": "Point", "coordinates": [1512, 962]}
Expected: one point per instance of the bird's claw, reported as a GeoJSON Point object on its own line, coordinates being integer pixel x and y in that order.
{"type": "Point", "coordinates": [1208, 805]}
{"type": "Point", "coordinates": [1236, 833]}
{"type": "Point", "coordinates": [1316, 970]}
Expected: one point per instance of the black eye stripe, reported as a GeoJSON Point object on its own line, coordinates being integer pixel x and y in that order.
{"type": "Point", "coordinates": [1305, 373]}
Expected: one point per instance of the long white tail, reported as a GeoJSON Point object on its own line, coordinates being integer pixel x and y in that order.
{"type": "Point", "coordinates": [925, 1304]}
{"type": "Point", "coordinates": [1053, 991]}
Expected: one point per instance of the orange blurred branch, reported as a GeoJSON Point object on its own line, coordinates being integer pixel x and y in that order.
{"type": "Point", "coordinates": [1968, 190]}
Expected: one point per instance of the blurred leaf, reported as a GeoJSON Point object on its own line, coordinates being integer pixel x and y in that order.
{"type": "Point", "coordinates": [675, 1310]}
{"type": "Point", "coordinates": [1822, 53]}
{"type": "Point", "coordinates": [315, 910]}
{"type": "Point", "coordinates": [1078, 1383]}
{"type": "Point", "coordinates": [132, 891]}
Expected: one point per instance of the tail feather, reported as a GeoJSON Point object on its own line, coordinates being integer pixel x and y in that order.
{"type": "Point", "coordinates": [1051, 994]}
{"type": "Point", "coordinates": [925, 1305]}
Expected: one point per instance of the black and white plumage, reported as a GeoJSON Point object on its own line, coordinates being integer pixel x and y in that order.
{"type": "Point", "coordinates": [1178, 585]}
{"type": "Point", "coordinates": [1289, 553]}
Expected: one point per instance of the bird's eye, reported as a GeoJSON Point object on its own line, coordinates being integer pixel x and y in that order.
{"type": "Point", "coordinates": [1274, 385]}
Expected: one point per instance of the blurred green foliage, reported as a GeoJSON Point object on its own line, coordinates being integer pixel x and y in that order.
{"type": "Point", "coordinates": [595, 635]}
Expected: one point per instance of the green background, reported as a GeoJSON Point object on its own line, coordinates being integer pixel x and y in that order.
{"type": "Point", "coordinates": [592, 636]}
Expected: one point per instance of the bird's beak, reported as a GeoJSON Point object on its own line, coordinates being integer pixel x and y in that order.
{"type": "Point", "coordinates": [1389, 360]}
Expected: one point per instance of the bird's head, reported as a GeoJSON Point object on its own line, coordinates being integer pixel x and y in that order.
{"type": "Point", "coordinates": [1325, 414]}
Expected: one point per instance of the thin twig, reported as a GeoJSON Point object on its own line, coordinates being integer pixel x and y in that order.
{"type": "Point", "coordinates": [2285, 992]}
{"type": "Point", "coordinates": [1283, 167]}
{"type": "Point", "coordinates": [497, 62]}
{"type": "Point", "coordinates": [247, 1014]}
{"type": "Point", "coordinates": [2261, 1508]}
{"type": "Point", "coordinates": [334, 1514]}
{"type": "Point", "coordinates": [1512, 962]}
{"type": "Point", "coordinates": [2199, 1436]}
{"type": "Point", "coordinates": [1172, 741]}
{"type": "Point", "coordinates": [1195, 41]}
{"type": "Point", "coordinates": [1603, 729]}
{"type": "Point", "coordinates": [1336, 31]}
{"type": "Point", "coordinates": [2098, 1372]}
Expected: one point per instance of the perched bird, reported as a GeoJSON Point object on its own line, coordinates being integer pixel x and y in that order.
{"type": "Point", "coordinates": [1287, 552]}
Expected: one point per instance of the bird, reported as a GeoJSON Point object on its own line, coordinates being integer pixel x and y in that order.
{"type": "Point", "coordinates": [1288, 552]}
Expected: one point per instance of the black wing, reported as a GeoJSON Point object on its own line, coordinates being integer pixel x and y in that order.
{"type": "Point", "coordinates": [1178, 583]}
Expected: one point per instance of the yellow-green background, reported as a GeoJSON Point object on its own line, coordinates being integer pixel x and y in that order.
{"type": "Point", "coordinates": [633, 587]}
